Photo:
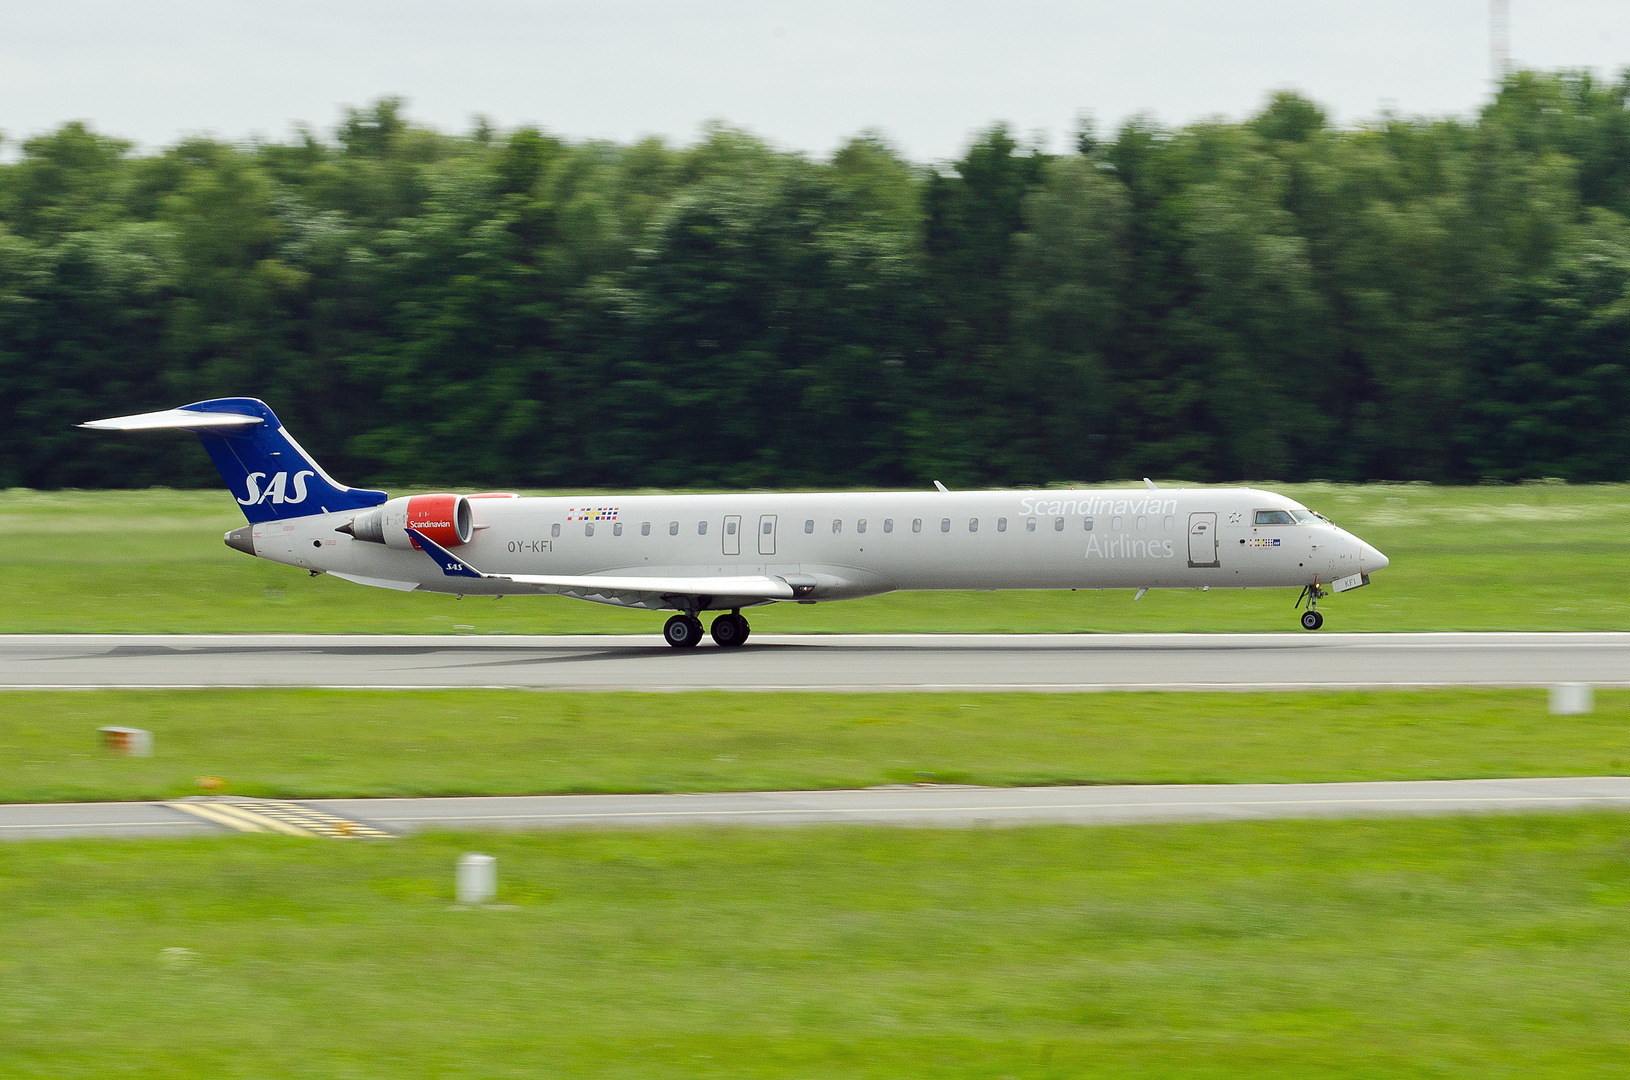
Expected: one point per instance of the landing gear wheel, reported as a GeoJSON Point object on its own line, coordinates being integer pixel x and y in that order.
{"type": "Point", "coordinates": [730, 630]}
{"type": "Point", "coordinates": [1312, 620]}
{"type": "Point", "coordinates": [683, 631]}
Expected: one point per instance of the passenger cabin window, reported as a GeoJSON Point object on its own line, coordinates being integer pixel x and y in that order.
{"type": "Point", "coordinates": [837, 525]}
{"type": "Point", "coordinates": [1030, 525]}
{"type": "Point", "coordinates": [769, 527]}
{"type": "Point", "coordinates": [916, 524]}
{"type": "Point", "coordinates": [673, 528]}
{"type": "Point", "coordinates": [809, 526]}
{"type": "Point", "coordinates": [1143, 523]}
{"type": "Point", "coordinates": [554, 530]}
{"type": "Point", "coordinates": [645, 529]}
{"type": "Point", "coordinates": [1058, 524]}
{"type": "Point", "coordinates": [1001, 524]}
{"type": "Point", "coordinates": [1170, 522]}
{"type": "Point", "coordinates": [888, 525]}
{"type": "Point", "coordinates": [588, 530]}
{"type": "Point", "coordinates": [1086, 523]}
{"type": "Point", "coordinates": [1115, 523]}
{"type": "Point", "coordinates": [945, 524]}
{"type": "Point", "coordinates": [701, 528]}
{"type": "Point", "coordinates": [860, 526]}
{"type": "Point", "coordinates": [616, 528]}
{"type": "Point", "coordinates": [730, 528]}
{"type": "Point", "coordinates": [1274, 517]}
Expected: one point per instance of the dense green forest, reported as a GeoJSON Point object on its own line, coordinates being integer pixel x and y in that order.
{"type": "Point", "coordinates": [1437, 299]}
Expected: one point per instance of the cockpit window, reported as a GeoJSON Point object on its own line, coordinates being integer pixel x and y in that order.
{"type": "Point", "coordinates": [1274, 517]}
{"type": "Point", "coordinates": [1304, 517]}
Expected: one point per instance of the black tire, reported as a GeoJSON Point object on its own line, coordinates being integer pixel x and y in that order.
{"type": "Point", "coordinates": [683, 632]}
{"type": "Point", "coordinates": [1312, 620]}
{"type": "Point", "coordinates": [729, 630]}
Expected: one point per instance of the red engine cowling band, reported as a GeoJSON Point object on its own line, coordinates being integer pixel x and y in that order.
{"type": "Point", "coordinates": [446, 519]}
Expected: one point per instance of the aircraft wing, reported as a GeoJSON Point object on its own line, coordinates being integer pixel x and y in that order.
{"type": "Point", "coordinates": [617, 589]}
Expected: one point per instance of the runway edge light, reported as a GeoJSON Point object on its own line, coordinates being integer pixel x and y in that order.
{"type": "Point", "coordinates": [130, 741]}
{"type": "Point", "coordinates": [1572, 699]}
{"type": "Point", "coordinates": [477, 880]}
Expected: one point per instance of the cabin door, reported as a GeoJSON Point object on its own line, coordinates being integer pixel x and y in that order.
{"type": "Point", "coordinates": [1203, 540]}
{"type": "Point", "coordinates": [766, 534]}
{"type": "Point", "coordinates": [732, 535]}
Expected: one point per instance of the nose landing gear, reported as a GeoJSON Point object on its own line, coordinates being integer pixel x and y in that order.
{"type": "Point", "coordinates": [1311, 619]}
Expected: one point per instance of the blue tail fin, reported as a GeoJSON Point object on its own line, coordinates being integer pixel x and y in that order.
{"type": "Point", "coordinates": [266, 470]}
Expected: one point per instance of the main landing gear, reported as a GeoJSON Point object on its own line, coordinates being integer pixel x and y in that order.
{"type": "Point", "coordinates": [1311, 619]}
{"type": "Point", "coordinates": [685, 631]}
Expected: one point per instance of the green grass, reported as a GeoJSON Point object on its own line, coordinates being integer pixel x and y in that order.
{"type": "Point", "coordinates": [1483, 947]}
{"type": "Point", "coordinates": [310, 743]}
{"type": "Point", "coordinates": [1536, 557]}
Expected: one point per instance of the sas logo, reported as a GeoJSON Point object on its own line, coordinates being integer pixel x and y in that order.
{"type": "Point", "coordinates": [277, 490]}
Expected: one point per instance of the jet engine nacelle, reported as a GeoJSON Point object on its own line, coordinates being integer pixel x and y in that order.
{"type": "Point", "coordinates": [446, 519]}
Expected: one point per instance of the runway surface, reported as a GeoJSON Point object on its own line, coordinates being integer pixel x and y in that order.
{"type": "Point", "coordinates": [913, 806]}
{"type": "Point", "coordinates": [823, 662]}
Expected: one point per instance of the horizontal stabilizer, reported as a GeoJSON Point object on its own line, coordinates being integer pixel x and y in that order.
{"type": "Point", "coordinates": [753, 586]}
{"type": "Point", "coordinates": [177, 419]}
{"type": "Point", "coordinates": [268, 473]}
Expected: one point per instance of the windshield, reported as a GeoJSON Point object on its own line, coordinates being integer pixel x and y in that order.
{"type": "Point", "coordinates": [1286, 517]}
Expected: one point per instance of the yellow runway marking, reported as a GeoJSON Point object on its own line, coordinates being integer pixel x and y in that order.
{"type": "Point", "coordinates": [271, 815]}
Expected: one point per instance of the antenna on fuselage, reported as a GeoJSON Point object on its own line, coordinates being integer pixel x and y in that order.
{"type": "Point", "coordinates": [942, 487]}
{"type": "Point", "coordinates": [1151, 484]}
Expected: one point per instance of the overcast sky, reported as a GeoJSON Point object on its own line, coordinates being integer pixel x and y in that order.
{"type": "Point", "coordinates": [927, 73]}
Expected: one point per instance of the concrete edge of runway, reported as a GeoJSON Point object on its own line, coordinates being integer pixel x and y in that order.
{"type": "Point", "coordinates": [930, 806]}
{"type": "Point", "coordinates": [887, 640]}
{"type": "Point", "coordinates": [841, 688]}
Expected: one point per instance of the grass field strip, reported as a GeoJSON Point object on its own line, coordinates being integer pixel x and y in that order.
{"type": "Point", "coordinates": [272, 815]}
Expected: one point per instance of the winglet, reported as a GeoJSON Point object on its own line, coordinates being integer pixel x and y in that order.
{"type": "Point", "coordinates": [450, 564]}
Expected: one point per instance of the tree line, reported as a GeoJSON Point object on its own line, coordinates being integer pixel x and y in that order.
{"type": "Point", "coordinates": [1411, 298]}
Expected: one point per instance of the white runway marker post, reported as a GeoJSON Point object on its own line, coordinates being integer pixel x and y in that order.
{"type": "Point", "coordinates": [1572, 699]}
{"type": "Point", "coordinates": [477, 879]}
{"type": "Point", "coordinates": [130, 741]}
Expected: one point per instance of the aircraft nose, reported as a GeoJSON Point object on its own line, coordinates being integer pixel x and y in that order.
{"type": "Point", "coordinates": [1370, 558]}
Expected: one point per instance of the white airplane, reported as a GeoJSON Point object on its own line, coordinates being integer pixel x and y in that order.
{"type": "Point", "coordinates": [696, 553]}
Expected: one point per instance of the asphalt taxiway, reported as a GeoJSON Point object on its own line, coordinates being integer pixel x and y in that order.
{"type": "Point", "coordinates": [925, 806]}
{"type": "Point", "coordinates": [1056, 662]}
